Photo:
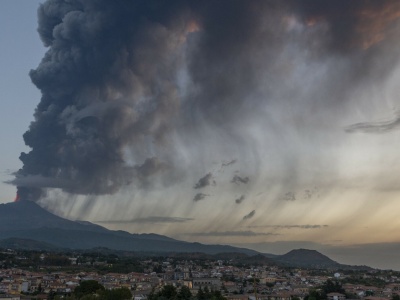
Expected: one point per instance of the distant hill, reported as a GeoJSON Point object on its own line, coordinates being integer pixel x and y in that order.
{"type": "Point", "coordinates": [312, 259]}
{"type": "Point", "coordinates": [306, 258]}
{"type": "Point", "coordinates": [25, 220]}
{"type": "Point", "coordinates": [26, 244]}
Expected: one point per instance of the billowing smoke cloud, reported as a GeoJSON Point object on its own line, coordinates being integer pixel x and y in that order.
{"type": "Point", "coordinates": [231, 162]}
{"type": "Point", "coordinates": [249, 215]}
{"type": "Point", "coordinates": [151, 219]}
{"type": "Point", "coordinates": [240, 199]}
{"type": "Point", "coordinates": [352, 23]}
{"type": "Point", "coordinates": [108, 88]}
{"type": "Point", "coordinates": [147, 93]}
{"type": "Point", "coordinates": [204, 181]}
{"type": "Point", "coordinates": [246, 233]}
{"type": "Point", "coordinates": [199, 196]}
{"type": "Point", "coordinates": [237, 179]}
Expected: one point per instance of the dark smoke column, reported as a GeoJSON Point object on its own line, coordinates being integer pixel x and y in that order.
{"type": "Point", "coordinates": [107, 83]}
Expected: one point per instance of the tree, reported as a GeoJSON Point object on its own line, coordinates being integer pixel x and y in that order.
{"type": "Point", "coordinates": [116, 294]}
{"type": "Point", "coordinates": [396, 297]}
{"type": "Point", "coordinates": [332, 287]}
{"type": "Point", "coordinates": [167, 292]}
{"type": "Point", "coordinates": [313, 295]}
{"type": "Point", "coordinates": [56, 260]}
{"type": "Point", "coordinates": [185, 294]}
{"type": "Point", "coordinates": [88, 287]}
{"type": "Point", "coordinates": [200, 295]}
{"type": "Point", "coordinates": [369, 293]}
{"type": "Point", "coordinates": [89, 297]}
{"type": "Point", "coordinates": [207, 293]}
{"type": "Point", "coordinates": [216, 295]}
{"type": "Point", "coordinates": [158, 269]}
{"type": "Point", "coordinates": [152, 295]}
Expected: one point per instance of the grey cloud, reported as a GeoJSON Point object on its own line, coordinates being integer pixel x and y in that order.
{"type": "Point", "coordinates": [289, 196]}
{"type": "Point", "coordinates": [249, 215]}
{"type": "Point", "coordinates": [8, 172]}
{"type": "Point", "coordinates": [292, 226]}
{"type": "Point", "coordinates": [150, 167]}
{"type": "Point", "coordinates": [204, 181]}
{"type": "Point", "coordinates": [375, 127]}
{"type": "Point", "coordinates": [151, 219]}
{"type": "Point", "coordinates": [240, 199]}
{"type": "Point", "coordinates": [199, 196]}
{"type": "Point", "coordinates": [38, 180]}
{"type": "Point", "coordinates": [233, 233]}
{"type": "Point", "coordinates": [352, 23]}
{"type": "Point", "coordinates": [302, 226]}
{"type": "Point", "coordinates": [237, 179]}
{"type": "Point", "coordinates": [226, 164]}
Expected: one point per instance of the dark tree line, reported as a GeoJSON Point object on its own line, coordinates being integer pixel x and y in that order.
{"type": "Point", "coordinates": [92, 290]}
{"type": "Point", "coordinates": [169, 292]}
{"type": "Point", "coordinates": [329, 287]}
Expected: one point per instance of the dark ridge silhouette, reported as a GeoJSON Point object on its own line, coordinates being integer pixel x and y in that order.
{"type": "Point", "coordinates": [27, 220]}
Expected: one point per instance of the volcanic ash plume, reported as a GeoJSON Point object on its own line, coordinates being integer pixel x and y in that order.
{"type": "Point", "coordinates": [149, 92]}
{"type": "Point", "coordinates": [109, 92]}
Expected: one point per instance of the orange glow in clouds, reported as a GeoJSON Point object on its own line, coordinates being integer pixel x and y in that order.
{"type": "Point", "coordinates": [17, 198]}
{"type": "Point", "coordinates": [192, 26]}
{"type": "Point", "coordinates": [367, 24]}
{"type": "Point", "coordinates": [376, 24]}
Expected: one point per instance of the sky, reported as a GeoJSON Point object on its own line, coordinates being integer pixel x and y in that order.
{"type": "Point", "coordinates": [271, 125]}
{"type": "Point", "coordinates": [21, 50]}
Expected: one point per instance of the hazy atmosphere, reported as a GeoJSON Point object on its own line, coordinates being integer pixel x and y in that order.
{"type": "Point", "coordinates": [271, 124]}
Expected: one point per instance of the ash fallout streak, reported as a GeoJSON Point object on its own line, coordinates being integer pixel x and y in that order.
{"type": "Point", "coordinates": [239, 104]}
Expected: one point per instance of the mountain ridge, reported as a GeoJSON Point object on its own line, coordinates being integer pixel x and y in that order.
{"type": "Point", "coordinates": [26, 225]}
{"type": "Point", "coordinates": [27, 220]}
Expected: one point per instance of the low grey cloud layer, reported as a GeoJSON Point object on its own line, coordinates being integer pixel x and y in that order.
{"type": "Point", "coordinates": [151, 219]}
{"type": "Point", "coordinates": [291, 226]}
{"type": "Point", "coordinates": [233, 233]}
{"type": "Point", "coordinates": [226, 164]}
{"type": "Point", "coordinates": [375, 127]}
{"type": "Point", "coordinates": [249, 215]}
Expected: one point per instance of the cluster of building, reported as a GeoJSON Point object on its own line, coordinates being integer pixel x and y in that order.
{"type": "Point", "coordinates": [235, 283]}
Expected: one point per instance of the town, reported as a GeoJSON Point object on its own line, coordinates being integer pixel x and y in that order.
{"type": "Point", "coordinates": [54, 275]}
